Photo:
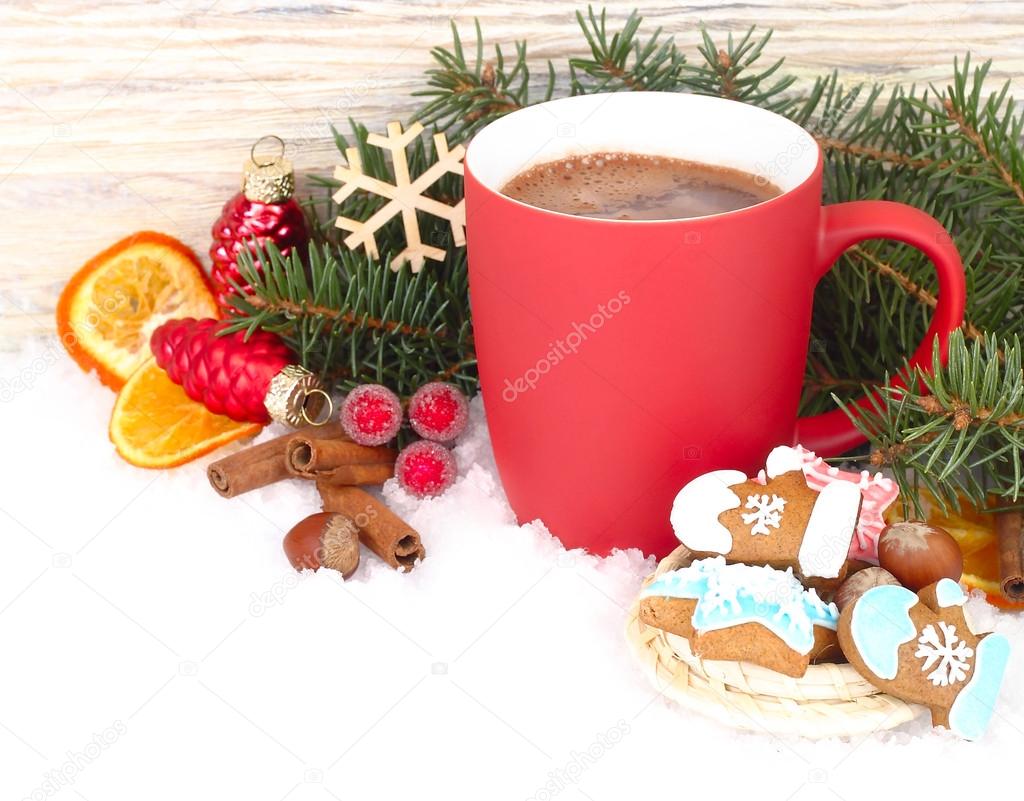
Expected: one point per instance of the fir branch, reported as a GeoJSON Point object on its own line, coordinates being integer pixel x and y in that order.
{"type": "Point", "coordinates": [819, 379]}
{"type": "Point", "coordinates": [970, 133]}
{"type": "Point", "coordinates": [913, 289]}
{"type": "Point", "coordinates": [464, 96]}
{"type": "Point", "coordinates": [958, 429]}
{"type": "Point", "coordinates": [891, 157]}
{"type": "Point", "coordinates": [456, 369]}
{"type": "Point", "coordinates": [623, 60]}
{"type": "Point", "coordinates": [346, 320]}
{"type": "Point", "coordinates": [733, 72]}
{"type": "Point", "coordinates": [353, 320]}
{"type": "Point", "coordinates": [903, 145]}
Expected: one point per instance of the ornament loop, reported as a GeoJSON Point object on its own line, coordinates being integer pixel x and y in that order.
{"type": "Point", "coordinates": [328, 405]}
{"type": "Point", "coordinates": [289, 392]}
{"type": "Point", "coordinates": [275, 159]}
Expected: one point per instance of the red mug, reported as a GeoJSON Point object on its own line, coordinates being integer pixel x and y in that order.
{"type": "Point", "coordinates": [621, 358]}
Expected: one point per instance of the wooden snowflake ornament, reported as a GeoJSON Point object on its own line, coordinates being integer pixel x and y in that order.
{"type": "Point", "coordinates": [405, 196]}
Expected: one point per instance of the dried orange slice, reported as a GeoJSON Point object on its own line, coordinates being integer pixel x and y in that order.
{"type": "Point", "coordinates": [155, 424]}
{"type": "Point", "coordinates": [110, 307]}
{"type": "Point", "coordinates": [981, 572]}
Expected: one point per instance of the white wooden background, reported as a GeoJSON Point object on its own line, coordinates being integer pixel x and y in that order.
{"type": "Point", "coordinates": [118, 115]}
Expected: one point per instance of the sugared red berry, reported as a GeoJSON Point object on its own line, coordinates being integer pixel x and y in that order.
{"type": "Point", "coordinates": [371, 414]}
{"type": "Point", "coordinates": [425, 468]}
{"type": "Point", "coordinates": [438, 411]}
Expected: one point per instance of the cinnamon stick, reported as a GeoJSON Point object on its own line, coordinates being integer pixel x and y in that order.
{"type": "Point", "coordinates": [380, 529]}
{"type": "Point", "coordinates": [261, 464]}
{"type": "Point", "coordinates": [335, 461]}
{"type": "Point", "coordinates": [1010, 531]}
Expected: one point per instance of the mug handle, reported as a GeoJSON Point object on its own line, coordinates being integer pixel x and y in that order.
{"type": "Point", "coordinates": [846, 224]}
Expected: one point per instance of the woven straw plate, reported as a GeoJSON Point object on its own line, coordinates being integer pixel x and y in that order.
{"type": "Point", "coordinates": [829, 700]}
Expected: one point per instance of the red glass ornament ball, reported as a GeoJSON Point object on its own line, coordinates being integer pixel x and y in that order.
{"type": "Point", "coordinates": [438, 411]}
{"type": "Point", "coordinates": [371, 414]}
{"type": "Point", "coordinates": [425, 468]}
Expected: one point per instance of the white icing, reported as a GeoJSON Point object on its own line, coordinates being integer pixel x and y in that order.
{"type": "Point", "coordinates": [696, 509]}
{"type": "Point", "coordinates": [878, 493]}
{"type": "Point", "coordinates": [830, 528]}
{"type": "Point", "coordinates": [783, 459]}
{"type": "Point", "coordinates": [766, 512]}
{"type": "Point", "coordinates": [950, 656]}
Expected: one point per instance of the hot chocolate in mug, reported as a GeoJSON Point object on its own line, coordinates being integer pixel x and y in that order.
{"type": "Point", "coordinates": [621, 358]}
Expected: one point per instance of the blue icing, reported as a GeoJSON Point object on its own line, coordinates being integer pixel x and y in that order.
{"type": "Point", "coordinates": [730, 595]}
{"type": "Point", "coordinates": [682, 583]}
{"type": "Point", "coordinates": [949, 593]}
{"type": "Point", "coordinates": [880, 624]}
{"type": "Point", "coordinates": [972, 708]}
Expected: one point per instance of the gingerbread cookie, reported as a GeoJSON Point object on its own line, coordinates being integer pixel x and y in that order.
{"type": "Point", "coordinates": [877, 492]}
{"type": "Point", "coordinates": [920, 647]}
{"type": "Point", "coordinates": [742, 612]}
{"type": "Point", "coordinates": [781, 522]}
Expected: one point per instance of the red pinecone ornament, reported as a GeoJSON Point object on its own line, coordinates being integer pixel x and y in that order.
{"type": "Point", "coordinates": [250, 380]}
{"type": "Point", "coordinates": [265, 211]}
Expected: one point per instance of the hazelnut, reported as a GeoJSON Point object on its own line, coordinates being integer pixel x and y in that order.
{"type": "Point", "coordinates": [325, 539]}
{"type": "Point", "coordinates": [919, 554]}
{"type": "Point", "coordinates": [859, 583]}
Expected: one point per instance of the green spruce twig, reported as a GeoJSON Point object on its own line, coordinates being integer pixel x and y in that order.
{"type": "Point", "coordinates": [353, 320]}
{"type": "Point", "coordinates": [957, 430]}
{"type": "Point", "coordinates": [623, 60]}
{"type": "Point", "coordinates": [466, 94]}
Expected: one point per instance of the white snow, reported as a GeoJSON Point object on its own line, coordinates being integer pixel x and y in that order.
{"type": "Point", "coordinates": [157, 645]}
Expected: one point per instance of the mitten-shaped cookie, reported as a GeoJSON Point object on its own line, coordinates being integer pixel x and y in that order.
{"type": "Point", "coordinates": [920, 647]}
{"type": "Point", "coordinates": [782, 522]}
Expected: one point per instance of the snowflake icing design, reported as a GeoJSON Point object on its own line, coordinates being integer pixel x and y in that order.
{"type": "Point", "coordinates": [952, 654]}
{"type": "Point", "coordinates": [721, 595]}
{"type": "Point", "coordinates": [766, 513]}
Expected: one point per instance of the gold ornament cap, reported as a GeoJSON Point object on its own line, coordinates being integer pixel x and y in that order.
{"type": "Point", "coordinates": [268, 178]}
{"type": "Point", "coordinates": [296, 397]}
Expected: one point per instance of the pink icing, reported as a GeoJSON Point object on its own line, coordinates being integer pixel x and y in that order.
{"type": "Point", "coordinates": [877, 494]}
